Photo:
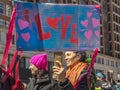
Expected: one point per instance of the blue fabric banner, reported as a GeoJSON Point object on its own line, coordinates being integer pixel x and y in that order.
{"type": "Point", "coordinates": [57, 27]}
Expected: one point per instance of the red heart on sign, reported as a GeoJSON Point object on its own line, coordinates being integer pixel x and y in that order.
{"type": "Point", "coordinates": [52, 22]}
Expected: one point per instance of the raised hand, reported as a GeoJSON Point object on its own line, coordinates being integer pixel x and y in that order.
{"type": "Point", "coordinates": [59, 72]}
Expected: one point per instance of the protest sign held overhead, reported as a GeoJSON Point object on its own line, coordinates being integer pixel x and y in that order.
{"type": "Point", "coordinates": [53, 27]}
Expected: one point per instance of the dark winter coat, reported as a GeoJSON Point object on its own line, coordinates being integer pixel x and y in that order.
{"type": "Point", "coordinates": [81, 86]}
{"type": "Point", "coordinates": [44, 83]}
{"type": "Point", "coordinates": [68, 86]}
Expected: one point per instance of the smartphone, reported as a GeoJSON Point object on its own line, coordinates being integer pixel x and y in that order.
{"type": "Point", "coordinates": [57, 57]}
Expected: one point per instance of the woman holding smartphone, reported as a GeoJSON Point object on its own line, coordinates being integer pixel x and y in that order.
{"type": "Point", "coordinates": [76, 68]}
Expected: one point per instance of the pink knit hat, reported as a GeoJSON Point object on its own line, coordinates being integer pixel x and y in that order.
{"type": "Point", "coordinates": [40, 61]}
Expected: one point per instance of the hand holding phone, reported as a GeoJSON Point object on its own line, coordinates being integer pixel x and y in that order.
{"type": "Point", "coordinates": [58, 58]}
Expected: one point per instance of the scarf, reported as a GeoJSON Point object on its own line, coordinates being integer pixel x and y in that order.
{"type": "Point", "coordinates": [74, 71]}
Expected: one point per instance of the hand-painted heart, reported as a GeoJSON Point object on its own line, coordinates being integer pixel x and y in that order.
{"type": "Point", "coordinates": [26, 36]}
{"type": "Point", "coordinates": [89, 14]}
{"type": "Point", "coordinates": [88, 34]}
{"type": "Point", "coordinates": [95, 22]}
{"type": "Point", "coordinates": [84, 23]}
{"type": "Point", "coordinates": [53, 22]}
{"type": "Point", "coordinates": [22, 24]}
{"type": "Point", "coordinates": [97, 33]}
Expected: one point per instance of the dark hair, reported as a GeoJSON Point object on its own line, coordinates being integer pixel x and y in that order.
{"type": "Point", "coordinates": [83, 56]}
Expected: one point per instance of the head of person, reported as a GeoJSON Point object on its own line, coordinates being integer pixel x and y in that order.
{"type": "Point", "coordinates": [72, 57]}
{"type": "Point", "coordinates": [100, 76]}
{"type": "Point", "coordinates": [38, 64]}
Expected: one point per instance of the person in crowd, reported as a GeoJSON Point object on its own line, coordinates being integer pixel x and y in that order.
{"type": "Point", "coordinates": [102, 83]}
{"type": "Point", "coordinates": [41, 79]}
{"type": "Point", "coordinates": [115, 85]}
{"type": "Point", "coordinates": [100, 77]}
{"type": "Point", "coordinates": [76, 68]}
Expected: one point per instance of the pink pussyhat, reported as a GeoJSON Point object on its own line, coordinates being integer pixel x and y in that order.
{"type": "Point", "coordinates": [40, 61]}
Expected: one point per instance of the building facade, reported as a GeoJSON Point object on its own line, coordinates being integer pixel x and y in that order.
{"type": "Point", "coordinates": [108, 60]}
{"type": "Point", "coordinates": [5, 13]}
{"type": "Point", "coordinates": [109, 33]}
{"type": "Point", "coordinates": [110, 26]}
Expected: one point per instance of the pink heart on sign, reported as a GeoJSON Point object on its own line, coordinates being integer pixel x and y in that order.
{"type": "Point", "coordinates": [22, 24]}
{"type": "Point", "coordinates": [84, 23]}
{"type": "Point", "coordinates": [89, 14]}
{"type": "Point", "coordinates": [88, 34]}
{"type": "Point", "coordinates": [97, 33]}
{"type": "Point", "coordinates": [95, 22]}
{"type": "Point", "coordinates": [26, 36]}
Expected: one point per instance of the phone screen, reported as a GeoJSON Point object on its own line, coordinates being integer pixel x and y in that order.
{"type": "Point", "coordinates": [57, 57]}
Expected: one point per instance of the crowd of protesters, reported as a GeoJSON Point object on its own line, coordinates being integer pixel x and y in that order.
{"type": "Point", "coordinates": [105, 84]}
{"type": "Point", "coordinates": [74, 78]}
{"type": "Point", "coordinates": [63, 79]}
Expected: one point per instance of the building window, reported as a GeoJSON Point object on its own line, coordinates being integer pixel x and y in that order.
{"type": "Point", "coordinates": [110, 48]}
{"type": "Point", "coordinates": [116, 64]}
{"type": "Point", "coordinates": [108, 8]}
{"type": "Point", "coordinates": [115, 54]}
{"type": "Point", "coordinates": [99, 60]}
{"type": "Point", "coordinates": [102, 61]}
{"type": "Point", "coordinates": [69, 1]}
{"type": "Point", "coordinates": [112, 63]}
{"type": "Point", "coordinates": [3, 35]}
{"type": "Point", "coordinates": [8, 10]}
{"type": "Point", "coordinates": [2, 22]}
{"type": "Point", "coordinates": [2, 7]}
{"type": "Point", "coordinates": [107, 62]}
{"type": "Point", "coordinates": [64, 1]}
{"type": "Point", "coordinates": [101, 41]}
{"type": "Point", "coordinates": [101, 51]}
{"type": "Point", "coordinates": [118, 54]}
{"type": "Point", "coordinates": [56, 1]}
{"type": "Point", "coordinates": [101, 19]}
{"type": "Point", "coordinates": [115, 46]}
{"type": "Point", "coordinates": [113, 17]}
{"type": "Point", "coordinates": [109, 26]}
{"type": "Point", "coordinates": [119, 17]}
{"type": "Point", "coordinates": [109, 37]}
{"type": "Point", "coordinates": [109, 18]}
{"type": "Point", "coordinates": [51, 1]}
{"type": "Point", "coordinates": [101, 31]}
